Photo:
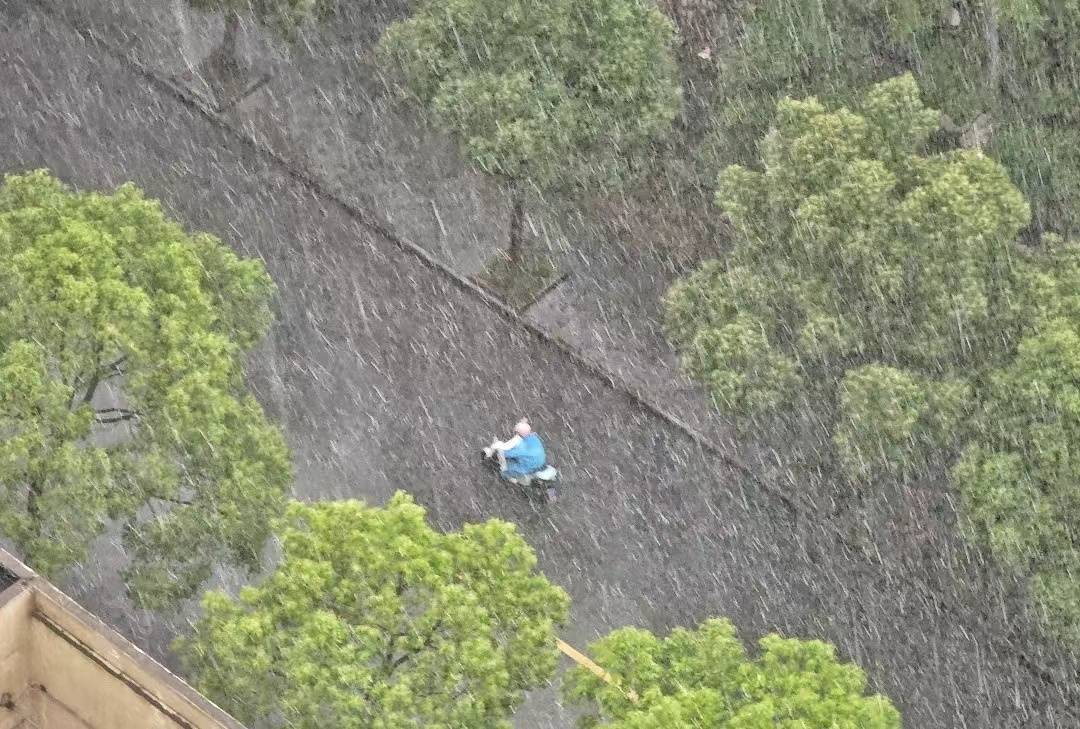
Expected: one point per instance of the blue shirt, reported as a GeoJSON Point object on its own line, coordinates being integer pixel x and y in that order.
{"type": "Point", "coordinates": [528, 455]}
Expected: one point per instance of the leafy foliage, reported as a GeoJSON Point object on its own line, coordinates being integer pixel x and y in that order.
{"type": "Point", "coordinates": [1014, 60]}
{"type": "Point", "coordinates": [541, 92]}
{"type": "Point", "coordinates": [704, 679]}
{"type": "Point", "coordinates": [1019, 479]}
{"type": "Point", "coordinates": [864, 272]}
{"type": "Point", "coordinates": [375, 620]}
{"type": "Point", "coordinates": [104, 298]}
{"type": "Point", "coordinates": [876, 291]}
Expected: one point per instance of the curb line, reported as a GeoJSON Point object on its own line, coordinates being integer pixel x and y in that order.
{"type": "Point", "coordinates": [296, 171]}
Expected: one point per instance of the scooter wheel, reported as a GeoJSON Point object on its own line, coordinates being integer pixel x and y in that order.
{"type": "Point", "coordinates": [552, 495]}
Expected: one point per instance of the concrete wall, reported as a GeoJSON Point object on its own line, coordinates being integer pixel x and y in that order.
{"type": "Point", "coordinates": [104, 680]}
{"type": "Point", "coordinates": [47, 713]}
{"type": "Point", "coordinates": [75, 681]}
{"type": "Point", "coordinates": [16, 605]}
{"type": "Point", "coordinates": [65, 669]}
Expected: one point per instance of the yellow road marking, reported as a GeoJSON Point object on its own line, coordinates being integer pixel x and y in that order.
{"type": "Point", "coordinates": [589, 665]}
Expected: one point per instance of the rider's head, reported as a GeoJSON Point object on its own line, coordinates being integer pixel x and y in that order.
{"type": "Point", "coordinates": [523, 428]}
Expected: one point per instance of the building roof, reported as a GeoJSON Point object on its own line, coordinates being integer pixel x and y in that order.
{"type": "Point", "coordinates": [62, 668]}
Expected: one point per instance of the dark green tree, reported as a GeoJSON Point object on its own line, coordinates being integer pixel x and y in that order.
{"type": "Point", "coordinates": [877, 319]}
{"type": "Point", "coordinates": [1018, 475]}
{"type": "Point", "coordinates": [703, 679]}
{"type": "Point", "coordinates": [541, 94]}
{"type": "Point", "coordinates": [374, 620]}
{"type": "Point", "coordinates": [122, 343]}
{"type": "Point", "coordinates": [1010, 64]}
{"type": "Point", "coordinates": [864, 286]}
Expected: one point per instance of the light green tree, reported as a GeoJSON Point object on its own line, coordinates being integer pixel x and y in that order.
{"type": "Point", "coordinates": [374, 620]}
{"type": "Point", "coordinates": [122, 342]}
{"type": "Point", "coordinates": [541, 94]}
{"type": "Point", "coordinates": [704, 679]}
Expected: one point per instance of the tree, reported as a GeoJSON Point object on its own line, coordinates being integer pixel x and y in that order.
{"type": "Point", "coordinates": [1019, 476]}
{"type": "Point", "coordinates": [122, 388]}
{"type": "Point", "coordinates": [375, 620]}
{"type": "Point", "coordinates": [1013, 60]}
{"type": "Point", "coordinates": [284, 18]}
{"type": "Point", "coordinates": [703, 679]}
{"type": "Point", "coordinates": [878, 320]}
{"type": "Point", "coordinates": [541, 94]}
{"type": "Point", "coordinates": [868, 282]}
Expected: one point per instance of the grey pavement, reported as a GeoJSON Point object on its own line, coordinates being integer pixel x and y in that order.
{"type": "Point", "coordinates": [329, 110]}
{"type": "Point", "coordinates": [387, 375]}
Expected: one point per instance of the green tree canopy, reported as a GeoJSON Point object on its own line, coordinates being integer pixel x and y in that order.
{"type": "Point", "coordinates": [374, 620]}
{"type": "Point", "coordinates": [1016, 61]}
{"type": "Point", "coordinates": [1020, 475]}
{"type": "Point", "coordinates": [122, 388]}
{"type": "Point", "coordinates": [541, 93]}
{"type": "Point", "coordinates": [866, 280]}
{"type": "Point", "coordinates": [877, 292]}
{"type": "Point", "coordinates": [704, 679]}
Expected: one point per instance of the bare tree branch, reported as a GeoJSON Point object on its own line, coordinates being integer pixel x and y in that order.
{"type": "Point", "coordinates": [180, 502]}
{"type": "Point", "coordinates": [114, 415]}
{"type": "Point", "coordinates": [109, 371]}
{"type": "Point", "coordinates": [115, 365]}
{"type": "Point", "coordinates": [427, 644]}
{"type": "Point", "coordinates": [91, 388]}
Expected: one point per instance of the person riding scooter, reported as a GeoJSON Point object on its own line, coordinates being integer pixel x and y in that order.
{"type": "Point", "coordinates": [521, 456]}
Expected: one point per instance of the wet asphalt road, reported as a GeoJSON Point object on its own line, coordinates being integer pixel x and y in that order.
{"type": "Point", "coordinates": [388, 376]}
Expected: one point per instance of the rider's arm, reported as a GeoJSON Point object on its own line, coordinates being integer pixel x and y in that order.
{"type": "Point", "coordinates": [506, 445]}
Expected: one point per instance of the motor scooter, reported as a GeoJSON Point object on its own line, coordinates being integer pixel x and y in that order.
{"type": "Point", "coordinates": [547, 478]}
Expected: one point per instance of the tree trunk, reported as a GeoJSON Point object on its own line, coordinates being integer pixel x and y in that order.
{"type": "Point", "coordinates": [32, 505]}
{"type": "Point", "coordinates": [517, 219]}
{"type": "Point", "coordinates": [229, 38]}
{"type": "Point", "coordinates": [993, 47]}
{"type": "Point", "coordinates": [33, 533]}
